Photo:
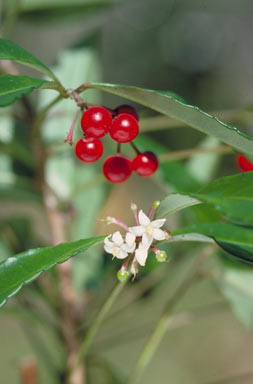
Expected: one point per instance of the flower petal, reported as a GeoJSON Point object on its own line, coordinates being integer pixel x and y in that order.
{"type": "Point", "coordinates": [158, 223]}
{"type": "Point", "coordinates": [134, 269]}
{"type": "Point", "coordinates": [143, 219]}
{"type": "Point", "coordinates": [130, 238]}
{"type": "Point", "coordinates": [108, 249]}
{"type": "Point", "coordinates": [137, 231]}
{"type": "Point", "coordinates": [146, 240]}
{"type": "Point", "coordinates": [117, 238]}
{"type": "Point", "coordinates": [159, 234]}
{"type": "Point", "coordinates": [127, 248]}
{"type": "Point", "coordinates": [122, 254]}
{"type": "Point", "coordinates": [141, 255]}
{"type": "Point", "coordinates": [108, 242]}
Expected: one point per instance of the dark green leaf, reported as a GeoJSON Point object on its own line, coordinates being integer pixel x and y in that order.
{"type": "Point", "coordinates": [12, 51]}
{"type": "Point", "coordinates": [27, 266]}
{"type": "Point", "coordinates": [15, 87]}
{"type": "Point", "coordinates": [177, 109]}
{"type": "Point", "coordinates": [231, 195]}
{"type": "Point", "coordinates": [237, 241]}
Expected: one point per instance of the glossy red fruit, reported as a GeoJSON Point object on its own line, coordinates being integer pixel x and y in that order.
{"type": "Point", "coordinates": [124, 129]}
{"type": "Point", "coordinates": [89, 149]}
{"type": "Point", "coordinates": [127, 108]}
{"type": "Point", "coordinates": [96, 122]}
{"type": "Point", "coordinates": [244, 164]}
{"type": "Point", "coordinates": [145, 164]}
{"type": "Point", "coordinates": [117, 169]}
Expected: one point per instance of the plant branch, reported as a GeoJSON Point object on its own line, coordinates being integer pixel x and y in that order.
{"type": "Point", "coordinates": [186, 153]}
{"type": "Point", "coordinates": [79, 101]}
{"type": "Point", "coordinates": [28, 372]}
{"type": "Point", "coordinates": [96, 324]}
{"type": "Point", "coordinates": [56, 86]}
{"type": "Point", "coordinates": [69, 305]}
{"type": "Point", "coordinates": [82, 87]}
{"type": "Point", "coordinates": [42, 115]}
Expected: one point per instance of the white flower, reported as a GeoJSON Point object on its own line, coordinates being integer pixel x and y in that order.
{"type": "Point", "coordinates": [118, 247]}
{"type": "Point", "coordinates": [149, 230]}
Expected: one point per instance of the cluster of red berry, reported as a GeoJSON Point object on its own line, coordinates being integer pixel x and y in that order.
{"type": "Point", "coordinates": [122, 125]}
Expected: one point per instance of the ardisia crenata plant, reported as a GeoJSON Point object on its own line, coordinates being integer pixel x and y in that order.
{"type": "Point", "coordinates": [227, 202]}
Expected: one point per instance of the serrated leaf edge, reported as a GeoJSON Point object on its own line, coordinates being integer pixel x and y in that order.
{"type": "Point", "coordinates": [37, 274]}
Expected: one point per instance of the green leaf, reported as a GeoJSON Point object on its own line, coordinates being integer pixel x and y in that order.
{"type": "Point", "coordinates": [231, 195]}
{"type": "Point", "coordinates": [174, 203]}
{"type": "Point", "coordinates": [173, 107]}
{"type": "Point", "coordinates": [27, 266]}
{"type": "Point", "coordinates": [14, 87]}
{"type": "Point", "coordinates": [237, 286]}
{"type": "Point", "coordinates": [237, 241]}
{"type": "Point", "coordinates": [12, 51]}
{"type": "Point", "coordinates": [189, 237]}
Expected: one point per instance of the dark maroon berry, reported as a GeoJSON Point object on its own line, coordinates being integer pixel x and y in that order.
{"type": "Point", "coordinates": [127, 108]}
{"type": "Point", "coordinates": [96, 122]}
{"type": "Point", "coordinates": [117, 169]}
{"type": "Point", "coordinates": [145, 164]}
{"type": "Point", "coordinates": [89, 149]}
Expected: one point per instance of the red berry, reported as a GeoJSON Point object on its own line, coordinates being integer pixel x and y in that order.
{"type": "Point", "coordinates": [145, 164]}
{"type": "Point", "coordinates": [244, 164]}
{"type": "Point", "coordinates": [96, 122]}
{"type": "Point", "coordinates": [127, 108]}
{"type": "Point", "coordinates": [89, 149]}
{"type": "Point", "coordinates": [117, 169]}
{"type": "Point", "coordinates": [125, 128]}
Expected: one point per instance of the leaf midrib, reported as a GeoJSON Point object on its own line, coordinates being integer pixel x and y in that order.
{"type": "Point", "coordinates": [21, 282]}
{"type": "Point", "coordinates": [20, 89]}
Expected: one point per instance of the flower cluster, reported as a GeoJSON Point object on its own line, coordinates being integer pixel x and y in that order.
{"type": "Point", "coordinates": [137, 242]}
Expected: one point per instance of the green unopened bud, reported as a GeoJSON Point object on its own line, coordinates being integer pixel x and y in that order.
{"type": "Point", "coordinates": [156, 204]}
{"type": "Point", "coordinates": [161, 256]}
{"type": "Point", "coordinates": [122, 275]}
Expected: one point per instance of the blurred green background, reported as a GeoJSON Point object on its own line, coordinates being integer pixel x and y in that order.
{"type": "Point", "coordinates": [200, 49]}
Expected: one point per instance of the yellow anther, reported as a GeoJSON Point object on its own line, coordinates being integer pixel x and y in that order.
{"type": "Point", "coordinates": [149, 230]}
{"type": "Point", "coordinates": [116, 251]}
